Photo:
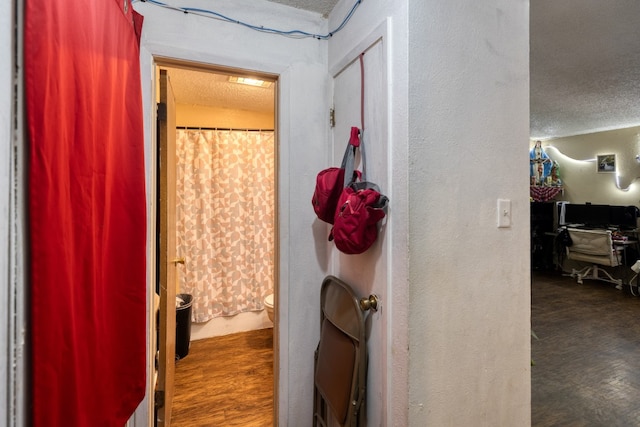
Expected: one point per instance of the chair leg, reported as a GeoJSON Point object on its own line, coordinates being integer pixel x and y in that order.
{"type": "Point", "coordinates": [593, 272]}
{"type": "Point", "coordinates": [319, 411]}
{"type": "Point", "coordinates": [580, 274]}
{"type": "Point", "coordinates": [609, 278]}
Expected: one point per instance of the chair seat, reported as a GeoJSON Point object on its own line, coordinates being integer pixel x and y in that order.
{"type": "Point", "coordinates": [334, 371]}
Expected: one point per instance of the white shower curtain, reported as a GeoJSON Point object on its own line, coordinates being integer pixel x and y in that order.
{"type": "Point", "coordinates": [225, 231]}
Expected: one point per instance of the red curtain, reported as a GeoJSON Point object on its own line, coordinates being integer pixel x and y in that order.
{"type": "Point", "coordinates": [87, 212]}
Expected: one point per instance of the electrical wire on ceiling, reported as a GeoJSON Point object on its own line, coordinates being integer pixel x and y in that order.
{"type": "Point", "coordinates": [291, 33]}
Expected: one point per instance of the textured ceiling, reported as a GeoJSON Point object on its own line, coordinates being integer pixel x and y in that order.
{"type": "Point", "coordinates": [321, 6]}
{"type": "Point", "coordinates": [585, 66]}
{"type": "Point", "coordinates": [584, 63]}
{"type": "Point", "coordinates": [192, 87]}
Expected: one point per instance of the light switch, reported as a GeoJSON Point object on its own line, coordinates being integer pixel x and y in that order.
{"type": "Point", "coordinates": [504, 213]}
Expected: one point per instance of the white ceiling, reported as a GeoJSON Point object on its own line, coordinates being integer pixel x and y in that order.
{"type": "Point", "coordinates": [211, 89]}
{"type": "Point", "coordinates": [584, 64]}
{"type": "Point", "coordinates": [321, 6]}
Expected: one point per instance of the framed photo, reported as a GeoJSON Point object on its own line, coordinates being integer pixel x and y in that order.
{"type": "Point", "coordinates": [606, 163]}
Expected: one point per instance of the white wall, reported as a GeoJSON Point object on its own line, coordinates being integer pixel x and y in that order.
{"type": "Point", "coordinates": [302, 131]}
{"type": "Point", "coordinates": [201, 116]}
{"type": "Point", "coordinates": [469, 309]}
{"type": "Point", "coordinates": [13, 282]}
{"type": "Point", "coordinates": [6, 63]}
{"type": "Point", "coordinates": [242, 322]}
{"type": "Point", "coordinates": [458, 287]}
{"type": "Point", "coordinates": [458, 106]}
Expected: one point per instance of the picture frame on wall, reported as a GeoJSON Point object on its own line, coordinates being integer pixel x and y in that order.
{"type": "Point", "coordinates": [606, 163]}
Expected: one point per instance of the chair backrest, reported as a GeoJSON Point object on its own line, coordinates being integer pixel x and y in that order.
{"type": "Point", "coordinates": [341, 358]}
{"type": "Point", "coordinates": [595, 246]}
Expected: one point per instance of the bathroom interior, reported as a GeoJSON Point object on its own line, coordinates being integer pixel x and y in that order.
{"type": "Point", "coordinates": [226, 192]}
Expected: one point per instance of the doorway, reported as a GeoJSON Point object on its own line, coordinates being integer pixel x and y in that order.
{"type": "Point", "coordinates": [219, 109]}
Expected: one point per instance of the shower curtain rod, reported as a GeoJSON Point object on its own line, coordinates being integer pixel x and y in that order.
{"type": "Point", "coordinates": [228, 129]}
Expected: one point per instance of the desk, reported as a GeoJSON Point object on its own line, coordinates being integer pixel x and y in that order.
{"type": "Point", "coordinates": [624, 246]}
{"type": "Point", "coordinates": [628, 242]}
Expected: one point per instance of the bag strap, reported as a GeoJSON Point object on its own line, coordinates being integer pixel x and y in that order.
{"type": "Point", "coordinates": [349, 160]}
{"type": "Point", "coordinates": [349, 157]}
{"type": "Point", "coordinates": [361, 58]}
{"type": "Point", "coordinates": [356, 141]}
{"type": "Point", "coordinates": [363, 158]}
{"type": "Point", "coordinates": [350, 153]}
{"type": "Point", "coordinates": [362, 154]}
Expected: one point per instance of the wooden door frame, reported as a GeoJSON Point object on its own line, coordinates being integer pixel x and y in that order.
{"type": "Point", "coordinates": [157, 63]}
{"type": "Point", "coordinates": [167, 256]}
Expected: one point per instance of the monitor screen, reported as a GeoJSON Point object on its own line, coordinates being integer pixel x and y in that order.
{"type": "Point", "coordinates": [623, 216]}
{"type": "Point", "coordinates": [575, 214]}
{"type": "Point", "coordinates": [590, 215]}
{"type": "Point", "coordinates": [597, 215]}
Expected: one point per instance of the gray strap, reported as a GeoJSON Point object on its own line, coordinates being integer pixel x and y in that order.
{"type": "Point", "coordinates": [348, 164]}
{"type": "Point", "coordinates": [362, 156]}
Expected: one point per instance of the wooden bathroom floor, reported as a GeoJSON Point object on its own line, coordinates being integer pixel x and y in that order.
{"type": "Point", "coordinates": [226, 381]}
{"type": "Point", "coordinates": [587, 357]}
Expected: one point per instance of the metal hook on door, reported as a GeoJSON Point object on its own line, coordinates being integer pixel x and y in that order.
{"type": "Point", "coordinates": [177, 261]}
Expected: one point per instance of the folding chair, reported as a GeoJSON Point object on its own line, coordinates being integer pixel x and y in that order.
{"type": "Point", "coordinates": [341, 357]}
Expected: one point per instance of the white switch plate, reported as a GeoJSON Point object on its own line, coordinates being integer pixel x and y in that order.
{"type": "Point", "coordinates": [504, 213]}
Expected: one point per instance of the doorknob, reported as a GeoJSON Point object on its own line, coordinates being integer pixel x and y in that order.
{"type": "Point", "coordinates": [177, 261]}
{"type": "Point", "coordinates": [370, 303]}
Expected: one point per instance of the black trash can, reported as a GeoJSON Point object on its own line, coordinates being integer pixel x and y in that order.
{"type": "Point", "coordinates": [183, 324]}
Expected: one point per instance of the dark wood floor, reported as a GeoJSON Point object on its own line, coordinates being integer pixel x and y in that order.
{"type": "Point", "coordinates": [587, 357]}
{"type": "Point", "coordinates": [226, 381]}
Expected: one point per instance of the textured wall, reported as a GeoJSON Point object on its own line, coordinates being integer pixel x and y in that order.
{"type": "Point", "coordinates": [469, 280]}
{"type": "Point", "coordinates": [576, 156]}
{"type": "Point", "coordinates": [6, 59]}
{"type": "Point", "coordinates": [303, 149]}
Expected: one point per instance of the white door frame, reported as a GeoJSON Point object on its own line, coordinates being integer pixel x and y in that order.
{"type": "Point", "coordinates": [13, 224]}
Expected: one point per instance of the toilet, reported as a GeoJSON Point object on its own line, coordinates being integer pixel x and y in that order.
{"type": "Point", "coordinates": [268, 305]}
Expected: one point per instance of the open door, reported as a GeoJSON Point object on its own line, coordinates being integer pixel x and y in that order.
{"type": "Point", "coordinates": [167, 259]}
{"type": "Point", "coordinates": [367, 272]}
